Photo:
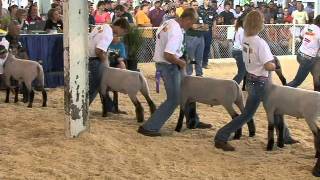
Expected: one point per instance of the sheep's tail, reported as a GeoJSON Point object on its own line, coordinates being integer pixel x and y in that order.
{"type": "Point", "coordinates": [40, 76]}
{"type": "Point", "coordinates": [144, 85]}
{"type": "Point", "coordinates": [239, 100]}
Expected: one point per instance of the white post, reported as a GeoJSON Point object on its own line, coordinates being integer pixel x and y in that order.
{"type": "Point", "coordinates": [294, 38]}
{"type": "Point", "coordinates": [76, 67]}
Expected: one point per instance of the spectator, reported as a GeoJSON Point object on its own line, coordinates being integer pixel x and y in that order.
{"type": "Point", "coordinates": [101, 16]}
{"type": "Point", "coordinates": [91, 19]}
{"type": "Point", "coordinates": [13, 37]}
{"type": "Point", "coordinates": [273, 10]}
{"type": "Point", "coordinates": [13, 11]}
{"type": "Point", "coordinates": [156, 14]}
{"type": "Point", "coordinates": [286, 16]}
{"type": "Point", "coordinates": [121, 13]}
{"type": "Point", "coordinates": [300, 16]}
{"type": "Point", "coordinates": [4, 17]}
{"type": "Point", "coordinates": [142, 17]}
{"type": "Point", "coordinates": [170, 14]}
{"type": "Point", "coordinates": [118, 48]}
{"type": "Point", "coordinates": [58, 7]}
{"type": "Point", "coordinates": [292, 6]}
{"type": "Point", "coordinates": [273, 38]}
{"type": "Point", "coordinates": [238, 12]}
{"type": "Point", "coordinates": [22, 19]}
{"type": "Point", "coordinates": [227, 15]}
{"type": "Point", "coordinates": [33, 15]}
{"type": "Point", "coordinates": [266, 14]}
{"type": "Point", "coordinates": [286, 38]}
{"type": "Point", "coordinates": [143, 20]}
{"type": "Point", "coordinates": [208, 15]}
{"type": "Point", "coordinates": [54, 23]}
{"type": "Point", "coordinates": [310, 10]}
{"type": "Point", "coordinates": [183, 5]}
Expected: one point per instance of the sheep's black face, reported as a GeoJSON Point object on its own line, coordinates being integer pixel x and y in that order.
{"type": "Point", "coordinates": [113, 57]}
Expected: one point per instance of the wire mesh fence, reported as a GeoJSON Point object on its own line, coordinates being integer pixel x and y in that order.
{"type": "Point", "coordinates": [283, 39]}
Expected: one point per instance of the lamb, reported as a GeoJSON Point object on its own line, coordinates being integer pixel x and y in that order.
{"type": "Point", "coordinates": [295, 102]}
{"type": "Point", "coordinates": [25, 71]}
{"type": "Point", "coordinates": [127, 82]}
{"type": "Point", "coordinates": [213, 92]}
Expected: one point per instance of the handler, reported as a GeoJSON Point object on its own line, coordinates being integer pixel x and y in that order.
{"type": "Point", "coordinates": [169, 48]}
{"type": "Point", "coordinates": [99, 40]}
{"type": "Point", "coordinates": [307, 52]}
{"type": "Point", "coordinates": [258, 61]}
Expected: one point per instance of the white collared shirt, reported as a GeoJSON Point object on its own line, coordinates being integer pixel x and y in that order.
{"type": "Point", "coordinates": [256, 53]}
{"type": "Point", "coordinates": [311, 40]}
{"type": "Point", "coordinates": [101, 38]}
{"type": "Point", "coordinates": [169, 38]}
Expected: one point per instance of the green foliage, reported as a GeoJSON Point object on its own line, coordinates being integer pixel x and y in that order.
{"type": "Point", "coordinates": [133, 41]}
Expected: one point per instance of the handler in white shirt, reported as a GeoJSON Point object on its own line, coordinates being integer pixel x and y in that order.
{"type": "Point", "coordinates": [168, 50]}
{"type": "Point", "coordinates": [307, 51]}
{"type": "Point", "coordinates": [237, 50]}
{"type": "Point", "coordinates": [258, 60]}
{"type": "Point", "coordinates": [99, 40]}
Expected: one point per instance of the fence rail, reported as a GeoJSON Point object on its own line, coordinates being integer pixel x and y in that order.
{"type": "Point", "coordinates": [283, 39]}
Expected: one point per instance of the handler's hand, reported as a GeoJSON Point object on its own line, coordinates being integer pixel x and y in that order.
{"type": "Point", "coordinates": [181, 63]}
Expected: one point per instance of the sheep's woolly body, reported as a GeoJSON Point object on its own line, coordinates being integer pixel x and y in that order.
{"type": "Point", "coordinates": [23, 71]}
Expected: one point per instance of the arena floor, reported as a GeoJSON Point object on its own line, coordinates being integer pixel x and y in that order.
{"type": "Point", "coordinates": [33, 145]}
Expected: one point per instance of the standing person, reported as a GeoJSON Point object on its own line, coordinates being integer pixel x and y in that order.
{"type": "Point", "coordinates": [300, 16]}
{"type": "Point", "coordinates": [54, 23]}
{"type": "Point", "coordinates": [119, 12]}
{"type": "Point", "coordinates": [227, 15]}
{"type": "Point", "coordinates": [99, 40]}
{"type": "Point", "coordinates": [307, 51]}
{"type": "Point", "coordinates": [208, 15]}
{"type": "Point", "coordinates": [183, 5]}
{"type": "Point", "coordinates": [101, 16]}
{"type": "Point", "coordinates": [170, 14]}
{"type": "Point", "coordinates": [156, 14]}
{"type": "Point", "coordinates": [169, 49]}
{"type": "Point", "coordinates": [238, 12]}
{"type": "Point", "coordinates": [237, 50]}
{"type": "Point", "coordinates": [286, 16]}
{"type": "Point", "coordinates": [258, 60]}
{"type": "Point", "coordinates": [195, 43]}
{"type": "Point", "coordinates": [33, 15]}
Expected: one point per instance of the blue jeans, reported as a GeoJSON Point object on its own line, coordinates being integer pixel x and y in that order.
{"type": "Point", "coordinates": [256, 91]}
{"type": "Point", "coordinates": [305, 68]}
{"type": "Point", "coordinates": [171, 77]}
{"type": "Point", "coordinates": [207, 44]}
{"type": "Point", "coordinates": [195, 48]}
{"type": "Point", "coordinates": [95, 75]}
{"type": "Point", "coordinates": [237, 55]}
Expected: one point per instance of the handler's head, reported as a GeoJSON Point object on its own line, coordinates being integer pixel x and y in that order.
{"type": "Point", "coordinates": [253, 23]}
{"type": "Point", "coordinates": [188, 18]}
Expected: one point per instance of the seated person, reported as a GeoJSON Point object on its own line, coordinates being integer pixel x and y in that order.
{"type": "Point", "coordinates": [33, 15]}
{"type": "Point", "coordinates": [54, 22]}
{"type": "Point", "coordinates": [117, 53]}
{"type": "Point", "coordinates": [13, 37]}
{"type": "Point", "coordinates": [22, 19]}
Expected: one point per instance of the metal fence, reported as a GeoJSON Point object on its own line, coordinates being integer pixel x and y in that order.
{"type": "Point", "coordinates": [283, 39]}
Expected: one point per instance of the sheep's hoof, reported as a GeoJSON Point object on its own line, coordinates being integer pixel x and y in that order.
{"type": "Point", "coordinates": [29, 106]}
{"type": "Point", "coordinates": [6, 101]}
{"type": "Point", "coordinates": [317, 155]}
{"type": "Point", "coordinates": [316, 169]}
{"type": "Point", "coordinates": [270, 145]}
{"type": "Point", "coordinates": [252, 134]}
{"type": "Point", "coordinates": [44, 105]}
{"type": "Point", "coordinates": [104, 115]}
{"type": "Point", "coordinates": [280, 144]}
{"type": "Point", "coordinates": [238, 134]}
{"type": "Point", "coordinates": [140, 120]}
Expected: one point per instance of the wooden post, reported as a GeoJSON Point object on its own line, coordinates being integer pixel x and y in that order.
{"type": "Point", "coordinates": [75, 66]}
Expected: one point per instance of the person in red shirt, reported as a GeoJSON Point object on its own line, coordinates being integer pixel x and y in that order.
{"type": "Point", "coordinates": [286, 16]}
{"type": "Point", "coordinates": [33, 15]}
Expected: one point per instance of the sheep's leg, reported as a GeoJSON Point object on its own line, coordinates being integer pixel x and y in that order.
{"type": "Point", "coordinates": [180, 119]}
{"type": "Point", "coordinates": [16, 94]}
{"type": "Point", "coordinates": [316, 169]}
{"type": "Point", "coordinates": [44, 98]}
{"type": "Point", "coordinates": [139, 108]}
{"type": "Point", "coordinates": [7, 95]}
{"type": "Point", "coordinates": [151, 104]}
{"type": "Point", "coordinates": [104, 98]}
{"type": "Point", "coordinates": [25, 93]}
{"type": "Point", "coordinates": [115, 101]}
{"type": "Point", "coordinates": [31, 95]}
{"type": "Point", "coordinates": [316, 82]}
{"type": "Point", "coordinates": [270, 131]}
{"type": "Point", "coordinates": [280, 127]}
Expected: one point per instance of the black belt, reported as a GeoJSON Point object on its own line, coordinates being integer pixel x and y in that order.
{"type": "Point", "coordinates": [305, 56]}
{"type": "Point", "coordinates": [256, 78]}
{"type": "Point", "coordinates": [93, 58]}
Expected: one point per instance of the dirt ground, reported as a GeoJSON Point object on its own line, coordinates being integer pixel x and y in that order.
{"type": "Point", "coordinates": [33, 145]}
